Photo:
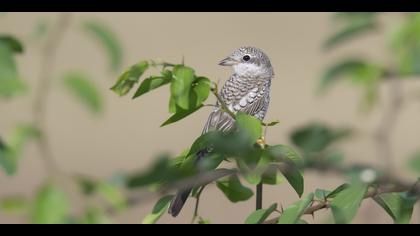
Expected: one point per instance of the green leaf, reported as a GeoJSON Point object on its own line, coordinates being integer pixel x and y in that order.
{"type": "Point", "coordinates": [10, 83]}
{"type": "Point", "coordinates": [414, 162]}
{"type": "Point", "coordinates": [95, 216]}
{"type": "Point", "coordinates": [316, 137]}
{"type": "Point", "coordinates": [354, 29]}
{"type": "Point", "coordinates": [338, 190]}
{"type": "Point", "coordinates": [234, 190]}
{"type": "Point", "coordinates": [82, 88]}
{"type": "Point", "coordinates": [150, 84]}
{"type": "Point", "coordinates": [129, 78]}
{"type": "Point", "coordinates": [292, 214]}
{"type": "Point", "coordinates": [285, 153]}
{"type": "Point", "coordinates": [179, 115]}
{"type": "Point", "coordinates": [14, 205]}
{"type": "Point", "coordinates": [202, 221]}
{"type": "Point", "coordinates": [293, 176]}
{"type": "Point", "coordinates": [13, 43]}
{"type": "Point", "coordinates": [160, 207]}
{"type": "Point", "coordinates": [201, 90]}
{"type": "Point", "coordinates": [250, 125]}
{"type": "Point", "coordinates": [346, 204]}
{"type": "Point", "coordinates": [87, 185]}
{"type": "Point", "coordinates": [51, 206]}
{"type": "Point", "coordinates": [398, 205]}
{"type": "Point", "coordinates": [108, 41]}
{"type": "Point", "coordinates": [10, 154]}
{"type": "Point", "coordinates": [112, 195]}
{"type": "Point", "coordinates": [359, 71]}
{"type": "Point", "coordinates": [321, 194]}
{"type": "Point", "coordinates": [181, 85]}
{"type": "Point", "coordinates": [258, 216]}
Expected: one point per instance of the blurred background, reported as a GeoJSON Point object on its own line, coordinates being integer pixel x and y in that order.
{"type": "Point", "coordinates": [114, 135]}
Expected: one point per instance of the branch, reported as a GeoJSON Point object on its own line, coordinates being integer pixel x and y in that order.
{"type": "Point", "coordinates": [387, 183]}
{"type": "Point", "coordinates": [220, 100]}
{"type": "Point", "coordinates": [48, 57]}
{"type": "Point", "coordinates": [388, 122]}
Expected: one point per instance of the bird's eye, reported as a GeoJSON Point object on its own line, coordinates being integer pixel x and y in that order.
{"type": "Point", "coordinates": [246, 58]}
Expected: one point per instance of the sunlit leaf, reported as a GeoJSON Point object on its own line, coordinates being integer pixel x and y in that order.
{"type": "Point", "coordinates": [160, 207]}
{"type": "Point", "coordinates": [346, 204]}
{"type": "Point", "coordinates": [181, 85]}
{"type": "Point", "coordinates": [258, 216]}
{"type": "Point", "coordinates": [398, 205]}
{"type": "Point", "coordinates": [51, 206]}
{"type": "Point", "coordinates": [84, 90]}
{"type": "Point", "coordinates": [108, 40]}
{"type": "Point", "coordinates": [234, 190]}
{"type": "Point", "coordinates": [292, 214]}
{"type": "Point", "coordinates": [129, 78]}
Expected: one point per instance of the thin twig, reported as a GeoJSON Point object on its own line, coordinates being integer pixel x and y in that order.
{"type": "Point", "coordinates": [259, 197]}
{"type": "Point", "coordinates": [48, 57]}
{"type": "Point", "coordinates": [197, 203]}
{"type": "Point", "coordinates": [221, 102]}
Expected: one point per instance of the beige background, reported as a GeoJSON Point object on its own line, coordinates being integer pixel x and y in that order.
{"type": "Point", "coordinates": [128, 137]}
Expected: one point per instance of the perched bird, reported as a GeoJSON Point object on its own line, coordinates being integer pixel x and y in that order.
{"type": "Point", "coordinates": [247, 90]}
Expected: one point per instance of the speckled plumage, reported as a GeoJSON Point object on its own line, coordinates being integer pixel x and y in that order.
{"type": "Point", "coordinates": [247, 90]}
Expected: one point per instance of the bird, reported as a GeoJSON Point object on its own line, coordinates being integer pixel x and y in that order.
{"type": "Point", "coordinates": [247, 90]}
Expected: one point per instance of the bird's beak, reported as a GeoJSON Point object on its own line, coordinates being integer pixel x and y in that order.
{"type": "Point", "coordinates": [228, 61]}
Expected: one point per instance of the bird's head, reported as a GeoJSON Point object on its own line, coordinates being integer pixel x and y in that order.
{"type": "Point", "coordinates": [249, 61]}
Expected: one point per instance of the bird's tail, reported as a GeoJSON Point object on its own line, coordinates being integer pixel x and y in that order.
{"type": "Point", "coordinates": [182, 195]}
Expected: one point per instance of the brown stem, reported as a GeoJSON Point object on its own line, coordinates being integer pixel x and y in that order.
{"type": "Point", "coordinates": [48, 57]}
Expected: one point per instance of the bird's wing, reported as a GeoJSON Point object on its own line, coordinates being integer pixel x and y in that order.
{"type": "Point", "coordinates": [252, 103]}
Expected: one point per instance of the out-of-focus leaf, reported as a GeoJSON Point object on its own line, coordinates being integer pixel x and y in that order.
{"type": "Point", "coordinates": [258, 216]}
{"type": "Point", "coordinates": [112, 195]}
{"type": "Point", "coordinates": [82, 88]}
{"type": "Point", "coordinates": [87, 185]}
{"type": "Point", "coordinates": [250, 125]}
{"type": "Point", "coordinates": [398, 205]}
{"type": "Point", "coordinates": [346, 204]}
{"type": "Point", "coordinates": [234, 190]}
{"type": "Point", "coordinates": [129, 78]}
{"type": "Point", "coordinates": [109, 41]}
{"type": "Point", "coordinates": [179, 115]}
{"type": "Point", "coordinates": [321, 194]}
{"type": "Point", "coordinates": [292, 214]}
{"type": "Point", "coordinates": [160, 207]}
{"type": "Point", "coordinates": [405, 43]}
{"type": "Point", "coordinates": [357, 70]}
{"type": "Point", "coordinates": [355, 28]}
{"type": "Point", "coordinates": [51, 206]}
{"type": "Point", "coordinates": [14, 205]}
{"type": "Point", "coordinates": [181, 85]}
{"type": "Point", "coordinates": [414, 163]}
{"type": "Point", "coordinates": [10, 83]}
{"type": "Point", "coordinates": [316, 137]}
{"type": "Point", "coordinates": [202, 221]}
{"type": "Point", "coordinates": [9, 155]}
{"type": "Point", "coordinates": [282, 152]}
{"type": "Point", "coordinates": [13, 43]}
{"type": "Point", "coordinates": [95, 216]}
